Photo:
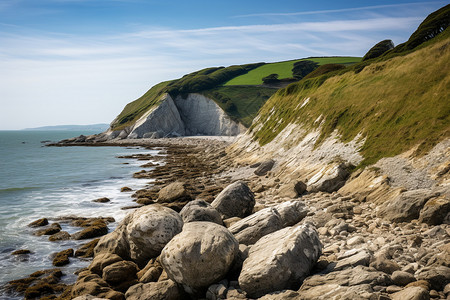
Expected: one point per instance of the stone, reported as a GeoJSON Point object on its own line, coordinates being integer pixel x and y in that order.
{"type": "Point", "coordinates": [216, 291]}
{"type": "Point", "coordinates": [361, 257]}
{"type": "Point", "coordinates": [437, 276]}
{"type": "Point", "coordinates": [250, 229]}
{"type": "Point", "coordinates": [411, 293]}
{"type": "Point", "coordinates": [52, 229]}
{"type": "Point", "coordinates": [89, 284]}
{"type": "Point", "coordinates": [264, 167]}
{"type": "Point", "coordinates": [125, 189]}
{"type": "Point", "coordinates": [230, 221]}
{"type": "Point", "coordinates": [385, 265]}
{"type": "Point", "coordinates": [149, 229]}
{"type": "Point", "coordinates": [199, 210]}
{"type": "Point", "coordinates": [435, 211]}
{"type": "Point", "coordinates": [200, 255]}
{"type": "Point", "coordinates": [402, 278]}
{"type": "Point", "coordinates": [103, 260]}
{"type": "Point", "coordinates": [175, 191]}
{"type": "Point", "coordinates": [59, 236]}
{"type": "Point", "coordinates": [114, 243]}
{"type": "Point", "coordinates": [406, 206]}
{"type": "Point", "coordinates": [62, 258]}
{"type": "Point", "coordinates": [236, 200]}
{"type": "Point", "coordinates": [39, 223]}
{"type": "Point", "coordinates": [356, 240]}
{"type": "Point", "coordinates": [293, 189]}
{"type": "Point", "coordinates": [120, 271]}
{"type": "Point", "coordinates": [420, 283]}
{"type": "Point", "coordinates": [96, 229]}
{"type": "Point", "coordinates": [161, 290]}
{"type": "Point", "coordinates": [21, 252]}
{"type": "Point", "coordinates": [328, 179]}
{"type": "Point", "coordinates": [292, 212]}
{"type": "Point", "coordinates": [87, 250]}
{"type": "Point", "coordinates": [101, 200]}
{"type": "Point", "coordinates": [288, 255]}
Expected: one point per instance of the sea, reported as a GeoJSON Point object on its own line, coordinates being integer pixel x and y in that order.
{"type": "Point", "coordinates": [37, 181]}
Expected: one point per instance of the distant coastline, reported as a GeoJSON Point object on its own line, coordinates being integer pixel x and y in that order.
{"type": "Point", "coordinates": [98, 127]}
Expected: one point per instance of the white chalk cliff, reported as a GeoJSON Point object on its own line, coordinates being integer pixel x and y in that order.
{"type": "Point", "coordinates": [194, 115]}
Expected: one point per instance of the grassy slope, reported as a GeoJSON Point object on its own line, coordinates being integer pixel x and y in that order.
{"type": "Point", "coordinates": [284, 69]}
{"type": "Point", "coordinates": [397, 104]}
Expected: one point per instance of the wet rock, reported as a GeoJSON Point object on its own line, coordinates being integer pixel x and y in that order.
{"type": "Point", "coordinates": [411, 293]}
{"type": "Point", "coordinates": [329, 179]}
{"type": "Point", "coordinates": [52, 229]}
{"type": "Point", "coordinates": [101, 200]}
{"type": "Point", "coordinates": [162, 290]}
{"type": "Point", "coordinates": [288, 255]}
{"type": "Point", "coordinates": [406, 206]}
{"type": "Point", "coordinates": [96, 229]}
{"type": "Point", "coordinates": [199, 210]}
{"type": "Point", "coordinates": [62, 258]}
{"type": "Point", "coordinates": [236, 200]}
{"type": "Point", "coordinates": [60, 236]}
{"type": "Point", "coordinates": [435, 211]}
{"type": "Point", "coordinates": [87, 250]}
{"type": "Point", "coordinates": [39, 223]}
{"type": "Point", "coordinates": [250, 229]}
{"type": "Point", "coordinates": [21, 252]}
{"type": "Point", "coordinates": [264, 167]}
{"type": "Point", "coordinates": [125, 189]}
{"type": "Point", "coordinates": [402, 278]}
{"type": "Point", "coordinates": [213, 243]}
{"type": "Point", "coordinates": [175, 191]}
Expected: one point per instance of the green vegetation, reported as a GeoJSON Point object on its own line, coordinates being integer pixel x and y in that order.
{"type": "Point", "coordinates": [240, 102]}
{"type": "Point", "coordinates": [396, 104]}
{"type": "Point", "coordinates": [284, 69]}
{"type": "Point", "coordinates": [272, 78]}
{"type": "Point", "coordinates": [325, 69]}
{"type": "Point", "coordinates": [303, 68]}
{"type": "Point", "coordinates": [379, 49]}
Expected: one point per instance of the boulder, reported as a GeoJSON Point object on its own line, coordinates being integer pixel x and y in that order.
{"type": "Point", "coordinates": [292, 189]}
{"type": "Point", "coordinates": [236, 200]}
{"type": "Point", "coordinates": [401, 278]}
{"type": "Point", "coordinates": [329, 179]}
{"type": "Point", "coordinates": [92, 284]}
{"type": "Point", "coordinates": [264, 167]}
{"type": "Point", "coordinates": [62, 258]}
{"type": "Point", "coordinates": [406, 206]}
{"type": "Point", "coordinates": [50, 230]}
{"type": "Point", "coordinates": [97, 229]}
{"type": "Point", "coordinates": [411, 293]}
{"type": "Point", "coordinates": [39, 223]}
{"type": "Point", "coordinates": [101, 200]}
{"type": "Point", "coordinates": [125, 189]}
{"type": "Point", "coordinates": [151, 272]}
{"type": "Point", "coordinates": [437, 276]}
{"type": "Point", "coordinates": [87, 250]}
{"type": "Point", "coordinates": [119, 272]}
{"type": "Point", "coordinates": [435, 211]}
{"type": "Point", "coordinates": [200, 255]}
{"type": "Point", "coordinates": [356, 258]}
{"type": "Point", "coordinates": [103, 260]}
{"type": "Point", "coordinates": [162, 290]}
{"type": "Point", "coordinates": [250, 229]}
{"type": "Point", "coordinates": [149, 229]}
{"type": "Point", "coordinates": [59, 236]}
{"type": "Point", "coordinates": [291, 212]}
{"type": "Point", "coordinates": [114, 243]}
{"type": "Point", "coordinates": [287, 255]}
{"type": "Point", "coordinates": [384, 264]}
{"type": "Point", "coordinates": [175, 191]}
{"type": "Point", "coordinates": [199, 210]}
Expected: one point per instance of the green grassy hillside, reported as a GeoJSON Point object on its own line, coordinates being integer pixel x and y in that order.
{"type": "Point", "coordinates": [396, 103]}
{"type": "Point", "coordinates": [284, 69]}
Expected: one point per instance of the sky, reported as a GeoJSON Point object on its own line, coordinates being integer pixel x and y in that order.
{"type": "Point", "coordinates": [81, 61]}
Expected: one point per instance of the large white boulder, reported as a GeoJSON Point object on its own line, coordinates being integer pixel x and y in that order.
{"type": "Point", "coordinates": [200, 255]}
{"type": "Point", "coordinates": [280, 260]}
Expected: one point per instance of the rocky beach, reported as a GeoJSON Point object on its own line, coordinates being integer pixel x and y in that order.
{"type": "Point", "coordinates": [216, 224]}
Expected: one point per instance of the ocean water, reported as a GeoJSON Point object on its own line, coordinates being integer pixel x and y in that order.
{"type": "Point", "coordinates": [38, 181]}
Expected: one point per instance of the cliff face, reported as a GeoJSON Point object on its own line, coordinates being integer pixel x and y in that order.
{"type": "Point", "coordinates": [195, 115]}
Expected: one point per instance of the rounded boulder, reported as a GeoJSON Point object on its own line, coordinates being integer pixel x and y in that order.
{"type": "Point", "coordinates": [236, 200]}
{"type": "Point", "coordinates": [199, 210]}
{"type": "Point", "coordinates": [200, 255]}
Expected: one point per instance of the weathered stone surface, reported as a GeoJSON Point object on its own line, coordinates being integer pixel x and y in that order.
{"type": "Point", "coordinates": [406, 206]}
{"type": "Point", "coordinates": [95, 229]}
{"type": "Point", "coordinates": [59, 236]}
{"type": "Point", "coordinates": [149, 229]}
{"type": "Point", "coordinates": [114, 242]}
{"type": "Point", "coordinates": [200, 255]}
{"type": "Point", "coordinates": [92, 284]}
{"type": "Point", "coordinates": [250, 229]}
{"type": "Point", "coordinates": [402, 278]}
{"type": "Point", "coordinates": [435, 211]}
{"type": "Point", "coordinates": [39, 223]}
{"type": "Point", "coordinates": [411, 293]}
{"type": "Point", "coordinates": [151, 272]}
{"type": "Point", "coordinates": [291, 212]}
{"type": "Point", "coordinates": [385, 265]}
{"type": "Point", "coordinates": [236, 200]}
{"type": "Point", "coordinates": [87, 250]}
{"type": "Point", "coordinates": [119, 272]}
{"type": "Point", "coordinates": [62, 258]}
{"type": "Point", "coordinates": [162, 290]}
{"type": "Point", "coordinates": [264, 167]}
{"type": "Point", "coordinates": [52, 229]}
{"type": "Point", "coordinates": [292, 189]}
{"type": "Point", "coordinates": [287, 255]}
{"type": "Point", "coordinates": [361, 257]}
{"type": "Point", "coordinates": [329, 179]}
{"type": "Point", "coordinates": [199, 210]}
{"type": "Point", "coordinates": [101, 200]}
{"type": "Point", "coordinates": [437, 276]}
{"type": "Point", "coordinates": [175, 191]}
{"type": "Point", "coordinates": [103, 260]}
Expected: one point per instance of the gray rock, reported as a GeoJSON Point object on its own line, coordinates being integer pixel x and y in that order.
{"type": "Point", "coordinates": [175, 191]}
{"type": "Point", "coordinates": [264, 167]}
{"type": "Point", "coordinates": [162, 290]}
{"type": "Point", "coordinates": [411, 293]}
{"type": "Point", "coordinates": [328, 179]}
{"type": "Point", "coordinates": [287, 255]}
{"type": "Point", "coordinates": [435, 211]}
{"type": "Point", "coordinates": [406, 206]}
{"type": "Point", "coordinates": [292, 212]}
{"type": "Point", "coordinates": [236, 200]}
{"type": "Point", "coordinates": [437, 276]}
{"type": "Point", "coordinates": [402, 278]}
{"type": "Point", "coordinates": [361, 257]}
{"type": "Point", "coordinates": [200, 255]}
{"type": "Point", "coordinates": [250, 229]}
{"type": "Point", "coordinates": [199, 210]}
{"type": "Point", "coordinates": [385, 265]}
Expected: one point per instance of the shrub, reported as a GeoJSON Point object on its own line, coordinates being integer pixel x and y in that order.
{"type": "Point", "coordinates": [303, 68]}
{"type": "Point", "coordinates": [272, 78]}
{"type": "Point", "coordinates": [379, 49]}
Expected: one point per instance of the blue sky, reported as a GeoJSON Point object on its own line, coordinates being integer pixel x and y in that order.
{"type": "Point", "coordinates": [81, 61]}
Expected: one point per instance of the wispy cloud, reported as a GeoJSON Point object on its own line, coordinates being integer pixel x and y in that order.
{"type": "Point", "coordinates": [342, 10]}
